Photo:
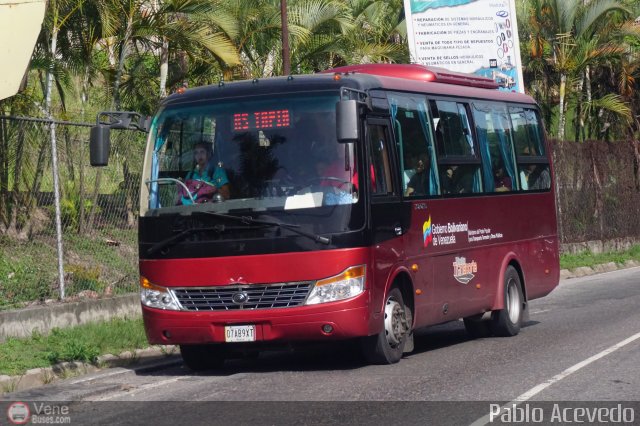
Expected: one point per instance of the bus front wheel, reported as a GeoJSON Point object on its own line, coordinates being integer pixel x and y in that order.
{"type": "Point", "coordinates": [202, 357]}
{"type": "Point", "coordinates": [387, 346]}
{"type": "Point", "coordinates": [507, 321]}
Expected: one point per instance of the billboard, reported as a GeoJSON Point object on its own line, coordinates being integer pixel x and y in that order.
{"type": "Point", "coordinates": [472, 36]}
{"type": "Point", "coordinates": [20, 23]}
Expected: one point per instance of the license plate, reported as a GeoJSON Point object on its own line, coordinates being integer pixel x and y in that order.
{"type": "Point", "coordinates": [240, 333]}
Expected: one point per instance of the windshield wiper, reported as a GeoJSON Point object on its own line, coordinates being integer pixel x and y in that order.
{"type": "Point", "coordinates": [180, 235]}
{"type": "Point", "coordinates": [248, 220]}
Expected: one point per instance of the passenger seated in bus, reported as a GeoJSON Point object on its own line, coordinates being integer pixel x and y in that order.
{"type": "Point", "coordinates": [329, 167]}
{"type": "Point", "coordinates": [456, 180]}
{"type": "Point", "coordinates": [502, 182]}
{"type": "Point", "coordinates": [201, 184]}
{"type": "Point", "coordinates": [329, 172]}
{"type": "Point", "coordinates": [419, 182]}
{"type": "Point", "coordinates": [538, 177]}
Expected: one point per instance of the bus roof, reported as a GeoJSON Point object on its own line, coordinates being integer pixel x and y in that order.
{"type": "Point", "coordinates": [419, 73]}
{"type": "Point", "coordinates": [361, 80]}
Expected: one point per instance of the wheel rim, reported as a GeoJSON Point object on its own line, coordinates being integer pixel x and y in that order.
{"type": "Point", "coordinates": [513, 301]}
{"type": "Point", "coordinates": [395, 322]}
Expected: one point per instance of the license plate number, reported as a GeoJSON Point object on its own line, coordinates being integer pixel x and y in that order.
{"type": "Point", "coordinates": [240, 333]}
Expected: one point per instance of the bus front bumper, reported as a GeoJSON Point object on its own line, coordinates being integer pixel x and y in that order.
{"type": "Point", "coordinates": [345, 319]}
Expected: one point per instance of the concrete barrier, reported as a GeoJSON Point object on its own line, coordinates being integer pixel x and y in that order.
{"type": "Point", "coordinates": [22, 322]}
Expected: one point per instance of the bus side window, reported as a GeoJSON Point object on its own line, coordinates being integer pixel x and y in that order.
{"type": "Point", "coordinates": [533, 164]}
{"type": "Point", "coordinates": [495, 139]}
{"type": "Point", "coordinates": [458, 159]}
{"type": "Point", "coordinates": [415, 145]}
{"type": "Point", "coordinates": [379, 164]}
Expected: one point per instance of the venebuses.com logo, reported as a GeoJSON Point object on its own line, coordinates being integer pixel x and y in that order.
{"type": "Point", "coordinates": [18, 413]}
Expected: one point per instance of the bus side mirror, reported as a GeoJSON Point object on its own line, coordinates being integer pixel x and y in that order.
{"type": "Point", "coordinates": [347, 121]}
{"type": "Point", "coordinates": [99, 145]}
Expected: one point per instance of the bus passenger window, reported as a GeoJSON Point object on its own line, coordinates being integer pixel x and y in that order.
{"type": "Point", "coordinates": [533, 163]}
{"type": "Point", "coordinates": [458, 159]}
{"type": "Point", "coordinates": [415, 145]}
{"type": "Point", "coordinates": [495, 139]}
{"type": "Point", "coordinates": [379, 166]}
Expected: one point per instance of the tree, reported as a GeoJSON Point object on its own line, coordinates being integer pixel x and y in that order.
{"type": "Point", "coordinates": [573, 36]}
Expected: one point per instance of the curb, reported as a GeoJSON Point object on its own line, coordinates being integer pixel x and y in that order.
{"type": "Point", "coordinates": [148, 359]}
{"type": "Point", "coordinates": [43, 318]}
{"type": "Point", "coordinates": [584, 271]}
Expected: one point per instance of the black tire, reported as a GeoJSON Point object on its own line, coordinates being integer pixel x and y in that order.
{"type": "Point", "coordinates": [477, 327]}
{"type": "Point", "coordinates": [387, 346]}
{"type": "Point", "coordinates": [202, 357]}
{"type": "Point", "coordinates": [507, 322]}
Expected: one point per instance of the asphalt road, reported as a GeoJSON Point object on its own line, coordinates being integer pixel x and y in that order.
{"type": "Point", "coordinates": [582, 344]}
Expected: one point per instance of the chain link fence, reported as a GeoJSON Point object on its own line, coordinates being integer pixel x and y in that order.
{"type": "Point", "coordinates": [598, 190]}
{"type": "Point", "coordinates": [99, 208]}
{"type": "Point", "coordinates": [598, 199]}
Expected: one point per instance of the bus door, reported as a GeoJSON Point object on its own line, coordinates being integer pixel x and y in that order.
{"type": "Point", "coordinates": [389, 219]}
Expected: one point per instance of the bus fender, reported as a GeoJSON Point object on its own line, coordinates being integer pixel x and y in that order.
{"type": "Point", "coordinates": [376, 318]}
{"type": "Point", "coordinates": [498, 302]}
{"type": "Point", "coordinates": [395, 273]}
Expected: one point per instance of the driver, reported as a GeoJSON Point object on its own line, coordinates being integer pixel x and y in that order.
{"type": "Point", "coordinates": [201, 183]}
{"type": "Point", "coordinates": [330, 165]}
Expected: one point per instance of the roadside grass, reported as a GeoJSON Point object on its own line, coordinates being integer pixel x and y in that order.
{"type": "Point", "coordinates": [83, 343]}
{"type": "Point", "coordinates": [104, 262]}
{"type": "Point", "coordinates": [572, 261]}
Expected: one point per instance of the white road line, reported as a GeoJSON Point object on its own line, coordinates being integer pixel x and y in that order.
{"type": "Point", "coordinates": [540, 311]}
{"type": "Point", "coordinates": [100, 376]}
{"type": "Point", "coordinates": [542, 386]}
{"type": "Point", "coordinates": [138, 389]}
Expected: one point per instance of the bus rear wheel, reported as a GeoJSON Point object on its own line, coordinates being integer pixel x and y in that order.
{"type": "Point", "coordinates": [507, 322]}
{"type": "Point", "coordinates": [202, 357]}
{"type": "Point", "coordinates": [387, 346]}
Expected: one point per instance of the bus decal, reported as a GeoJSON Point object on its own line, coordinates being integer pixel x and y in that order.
{"type": "Point", "coordinates": [426, 232]}
{"type": "Point", "coordinates": [445, 234]}
{"type": "Point", "coordinates": [463, 271]}
{"type": "Point", "coordinates": [483, 234]}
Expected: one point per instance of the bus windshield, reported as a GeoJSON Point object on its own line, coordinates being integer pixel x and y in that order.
{"type": "Point", "coordinates": [249, 154]}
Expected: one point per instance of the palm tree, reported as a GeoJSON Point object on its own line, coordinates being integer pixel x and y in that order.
{"type": "Point", "coordinates": [190, 26]}
{"type": "Point", "coordinates": [378, 34]}
{"type": "Point", "coordinates": [572, 30]}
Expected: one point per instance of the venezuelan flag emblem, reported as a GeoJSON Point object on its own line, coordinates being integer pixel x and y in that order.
{"type": "Point", "coordinates": [426, 232]}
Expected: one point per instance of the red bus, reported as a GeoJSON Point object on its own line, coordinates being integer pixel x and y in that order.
{"type": "Point", "coordinates": [361, 203]}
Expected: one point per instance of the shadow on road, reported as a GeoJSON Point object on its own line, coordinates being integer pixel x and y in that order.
{"type": "Point", "coordinates": [321, 356]}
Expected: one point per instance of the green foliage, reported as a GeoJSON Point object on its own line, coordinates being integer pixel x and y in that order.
{"type": "Point", "coordinates": [84, 278]}
{"type": "Point", "coordinates": [22, 280]}
{"type": "Point", "coordinates": [583, 56]}
{"type": "Point", "coordinates": [83, 343]}
{"type": "Point", "coordinates": [28, 269]}
{"type": "Point", "coordinates": [572, 261]}
{"type": "Point", "coordinates": [70, 206]}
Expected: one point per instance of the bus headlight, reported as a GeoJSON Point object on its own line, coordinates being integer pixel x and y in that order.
{"type": "Point", "coordinates": [155, 296]}
{"type": "Point", "coordinates": [349, 283]}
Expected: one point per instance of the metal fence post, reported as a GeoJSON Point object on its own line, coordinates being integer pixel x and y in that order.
{"type": "Point", "coordinates": [56, 196]}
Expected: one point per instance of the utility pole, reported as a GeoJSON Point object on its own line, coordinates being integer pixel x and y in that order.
{"type": "Point", "coordinates": [286, 60]}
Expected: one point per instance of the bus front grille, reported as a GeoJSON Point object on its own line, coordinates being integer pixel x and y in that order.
{"type": "Point", "coordinates": [256, 296]}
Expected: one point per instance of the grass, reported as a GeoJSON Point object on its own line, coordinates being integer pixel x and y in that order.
{"type": "Point", "coordinates": [572, 261]}
{"type": "Point", "coordinates": [100, 262]}
{"type": "Point", "coordinates": [82, 343]}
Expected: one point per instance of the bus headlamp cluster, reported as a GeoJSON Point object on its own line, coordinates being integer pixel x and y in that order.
{"type": "Point", "coordinates": [155, 296]}
{"type": "Point", "coordinates": [345, 285]}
